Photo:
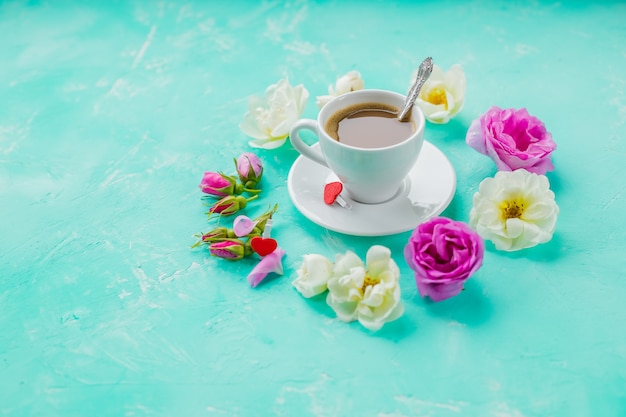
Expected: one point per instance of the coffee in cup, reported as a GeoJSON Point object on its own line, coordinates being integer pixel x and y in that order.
{"type": "Point", "coordinates": [375, 155]}
{"type": "Point", "coordinates": [369, 125]}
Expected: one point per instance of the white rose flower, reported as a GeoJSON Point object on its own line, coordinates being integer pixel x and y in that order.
{"type": "Point", "coordinates": [368, 293]}
{"type": "Point", "coordinates": [515, 210]}
{"type": "Point", "coordinates": [351, 81]}
{"type": "Point", "coordinates": [313, 275]}
{"type": "Point", "coordinates": [270, 118]}
{"type": "Point", "coordinates": [442, 95]}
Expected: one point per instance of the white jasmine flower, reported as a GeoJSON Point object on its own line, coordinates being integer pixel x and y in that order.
{"type": "Point", "coordinates": [313, 275]}
{"type": "Point", "coordinates": [515, 210]}
{"type": "Point", "coordinates": [351, 81]}
{"type": "Point", "coordinates": [442, 95]}
{"type": "Point", "coordinates": [270, 118]}
{"type": "Point", "coordinates": [368, 293]}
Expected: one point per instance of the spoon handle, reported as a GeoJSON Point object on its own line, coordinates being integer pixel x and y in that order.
{"type": "Point", "coordinates": [423, 72]}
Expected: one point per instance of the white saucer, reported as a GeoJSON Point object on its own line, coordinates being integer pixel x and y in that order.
{"type": "Point", "coordinates": [425, 193]}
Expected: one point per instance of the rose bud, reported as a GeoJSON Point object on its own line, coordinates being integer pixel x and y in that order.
{"type": "Point", "coordinates": [219, 185]}
{"type": "Point", "coordinates": [230, 205]}
{"type": "Point", "coordinates": [249, 168]}
{"type": "Point", "coordinates": [218, 233]}
{"type": "Point", "coordinates": [262, 220]}
{"type": "Point", "coordinates": [231, 249]}
{"type": "Point", "coordinates": [215, 235]}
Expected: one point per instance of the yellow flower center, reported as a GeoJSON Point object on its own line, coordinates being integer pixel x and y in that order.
{"type": "Point", "coordinates": [367, 282]}
{"type": "Point", "coordinates": [437, 96]}
{"type": "Point", "coordinates": [512, 209]}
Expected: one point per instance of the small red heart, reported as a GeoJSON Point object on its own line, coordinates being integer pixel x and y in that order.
{"type": "Point", "coordinates": [331, 191]}
{"type": "Point", "coordinates": [263, 245]}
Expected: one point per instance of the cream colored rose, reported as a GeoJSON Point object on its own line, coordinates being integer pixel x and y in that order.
{"type": "Point", "coordinates": [443, 94]}
{"type": "Point", "coordinates": [368, 293]}
{"type": "Point", "coordinates": [313, 275]}
{"type": "Point", "coordinates": [270, 118]}
{"type": "Point", "coordinates": [515, 210]}
{"type": "Point", "coordinates": [350, 81]}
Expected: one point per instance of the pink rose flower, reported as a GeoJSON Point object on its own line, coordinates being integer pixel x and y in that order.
{"type": "Point", "coordinates": [230, 205]}
{"type": "Point", "coordinates": [513, 139]}
{"type": "Point", "coordinates": [443, 253]}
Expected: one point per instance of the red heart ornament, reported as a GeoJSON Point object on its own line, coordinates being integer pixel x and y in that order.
{"type": "Point", "coordinates": [331, 191]}
{"type": "Point", "coordinates": [263, 245]}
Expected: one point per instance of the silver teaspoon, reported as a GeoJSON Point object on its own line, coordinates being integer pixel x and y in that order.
{"type": "Point", "coordinates": [423, 72]}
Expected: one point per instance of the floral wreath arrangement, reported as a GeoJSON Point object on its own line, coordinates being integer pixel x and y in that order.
{"type": "Point", "coordinates": [514, 210]}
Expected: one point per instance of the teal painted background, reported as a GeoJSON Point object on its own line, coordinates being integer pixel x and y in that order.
{"type": "Point", "coordinates": [111, 111]}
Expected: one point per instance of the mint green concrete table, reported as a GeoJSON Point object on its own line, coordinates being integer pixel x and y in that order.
{"type": "Point", "coordinates": [110, 112]}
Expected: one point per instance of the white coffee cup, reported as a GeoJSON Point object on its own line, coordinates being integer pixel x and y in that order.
{"type": "Point", "coordinates": [369, 175]}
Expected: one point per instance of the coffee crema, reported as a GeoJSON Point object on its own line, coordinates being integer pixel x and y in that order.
{"type": "Point", "coordinates": [369, 125]}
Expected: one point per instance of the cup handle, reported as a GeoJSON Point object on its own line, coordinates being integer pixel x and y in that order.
{"type": "Point", "coordinates": [303, 148]}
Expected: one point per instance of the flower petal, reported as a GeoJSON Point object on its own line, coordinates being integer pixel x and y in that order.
{"type": "Point", "coordinates": [345, 310]}
{"type": "Point", "coordinates": [250, 127]}
{"type": "Point", "coordinates": [390, 309]}
{"type": "Point", "coordinates": [344, 263]}
{"type": "Point", "coordinates": [242, 225]}
{"type": "Point", "coordinates": [270, 143]}
{"type": "Point", "coordinates": [475, 138]}
{"type": "Point", "coordinates": [377, 260]}
{"type": "Point", "coordinates": [271, 263]}
{"type": "Point", "coordinates": [321, 101]}
{"type": "Point", "coordinates": [313, 275]}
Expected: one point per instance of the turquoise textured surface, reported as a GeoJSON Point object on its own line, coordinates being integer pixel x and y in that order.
{"type": "Point", "coordinates": [112, 111]}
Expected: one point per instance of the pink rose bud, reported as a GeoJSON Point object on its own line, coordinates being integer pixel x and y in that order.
{"type": "Point", "coordinates": [231, 249]}
{"type": "Point", "coordinates": [262, 220]}
{"type": "Point", "coordinates": [249, 168]}
{"type": "Point", "coordinates": [219, 233]}
{"type": "Point", "coordinates": [443, 253]}
{"type": "Point", "coordinates": [230, 205]}
{"type": "Point", "coordinates": [219, 185]}
{"type": "Point", "coordinates": [215, 235]}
